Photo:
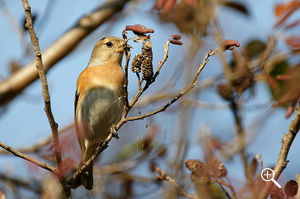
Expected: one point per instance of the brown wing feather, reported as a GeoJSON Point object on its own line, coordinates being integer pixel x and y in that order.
{"type": "Point", "coordinates": [76, 101]}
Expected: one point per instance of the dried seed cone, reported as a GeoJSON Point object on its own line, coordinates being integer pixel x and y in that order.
{"type": "Point", "coordinates": [147, 67]}
{"type": "Point", "coordinates": [137, 63]}
{"type": "Point", "coordinates": [216, 168]}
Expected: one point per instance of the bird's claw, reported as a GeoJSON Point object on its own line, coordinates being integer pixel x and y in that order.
{"type": "Point", "coordinates": [114, 132]}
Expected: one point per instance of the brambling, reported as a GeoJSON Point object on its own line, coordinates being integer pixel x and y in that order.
{"type": "Point", "coordinates": [99, 99]}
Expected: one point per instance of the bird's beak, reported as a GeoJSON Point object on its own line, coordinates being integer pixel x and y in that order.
{"type": "Point", "coordinates": [121, 47]}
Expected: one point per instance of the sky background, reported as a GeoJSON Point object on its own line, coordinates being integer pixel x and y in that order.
{"type": "Point", "coordinates": [24, 121]}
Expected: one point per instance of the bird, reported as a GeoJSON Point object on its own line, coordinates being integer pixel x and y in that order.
{"type": "Point", "coordinates": [99, 99]}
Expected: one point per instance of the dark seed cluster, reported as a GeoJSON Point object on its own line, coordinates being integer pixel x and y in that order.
{"type": "Point", "coordinates": [137, 63]}
{"type": "Point", "coordinates": [147, 66]}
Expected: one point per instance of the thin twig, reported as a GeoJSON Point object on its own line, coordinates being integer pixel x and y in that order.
{"type": "Point", "coordinates": [161, 95]}
{"type": "Point", "coordinates": [41, 71]}
{"type": "Point", "coordinates": [29, 185]}
{"type": "Point", "coordinates": [163, 176]}
{"type": "Point", "coordinates": [282, 161]}
{"type": "Point", "coordinates": [28, 158]}
{"type": "Point", "coordinates": [182, 191]}
{"type": "Point", "coordinates": [222, 182]}
{"type": "Point", "coordinates": [230, 148]}
{"type": "Point", "coordinates": [225, 191]}
{"type": "Point", "coordinates": [36, 146]}
{"type": "Point", "coordinates": [241, 136]}
{"type": "Point", "coordinates": [192, 85]}
{"type": "Point", "coordinates": [11, 20]}
{"type": "Point", "coordinates": [161, 63]}
{"type": "Point", "coordinates": [46, 95]}
{"type": "Point", "coordinates": [148, 83]}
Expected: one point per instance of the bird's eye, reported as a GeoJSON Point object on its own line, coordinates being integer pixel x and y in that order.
{"type": "Point", "coordinates": [109, 44]}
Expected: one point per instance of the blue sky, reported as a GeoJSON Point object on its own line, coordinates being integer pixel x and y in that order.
{"type": "Point", "coordinates": [25, 122]}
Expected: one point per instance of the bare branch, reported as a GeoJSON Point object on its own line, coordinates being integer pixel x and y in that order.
{"type": "Point", "coordinates": [161, 63]}
{"type": "Point", "coordinates": [163, 176]}
{"type": "Point", "coordinates": [148, 83]}
{"type": "Point", "coordinates": [28, 158]}
{"type": "Point", "coordinates": [29, 185]}
{"type": "Point", "coordinates": [282, 161]}
{"type": "Point", "coordinates": [42, 75]}
{"type": "Point", "coordinates": [34, 147]}
{"type": "Point", "coordinates": [46, 95]}
{"type": "Point", "coordinates": [192, 85]}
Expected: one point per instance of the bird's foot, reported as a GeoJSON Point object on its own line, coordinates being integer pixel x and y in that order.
{"type": "Point", "coordinates": [114, 131]}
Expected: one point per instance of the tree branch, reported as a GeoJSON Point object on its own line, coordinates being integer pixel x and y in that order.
{"type": "Point", "coordinates": [46, 95]}
{"type": "Point", "coordinates": [35, 147]}
{"type": "Point", "coordinates": [29, 185]}
{"type": "Point", "coordinates": [282, 161]}
{"type": "Point", "coordinates": [18, 81]}
{"type": "Point", "coordinates": [163, 176]}
{"type": "Point", "coordinates": [28, 158]}
{"type": "Point", "coordinates": [42, 75]}
{"type": "Point", "coordinates": [192, 85]}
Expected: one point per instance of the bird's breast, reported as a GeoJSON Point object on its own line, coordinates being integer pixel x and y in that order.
{"type": "Point", "coordinates": [101, 101]}
{"type": "Point", "coordinates": [100, 109]}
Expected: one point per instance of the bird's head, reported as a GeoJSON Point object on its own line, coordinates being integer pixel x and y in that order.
{"type": "Point", "coordinates": [108, 50]}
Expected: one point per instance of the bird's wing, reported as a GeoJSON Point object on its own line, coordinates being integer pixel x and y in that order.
{"type": "Point", "coordinates": [76, 101]}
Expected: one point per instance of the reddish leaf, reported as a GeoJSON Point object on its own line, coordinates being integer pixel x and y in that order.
{"type": "Point", "coordinates": [285, 12]}
{"type": "Point", "coordinates": [289, 92]}
{"type": "Point", "coordinates": [159, 4]}
{"type": "Point", "coordinates": [283, 77]}
{"type": "Point", "coordinates": [281, 9]}
{"type": "Point", "coordinates": [293, 42]}
{"type": "Point", "coordinates": [293, 24]}
{"type": "Point", "coordinates": [272, 83]}
{"type": "Point", "coordinates": [216, 143]}
{"type": "Point", "coordinates": [168, 6]}
{"type": "Point", "coordinates": [288, 97]}
{"type": "Point", "coordinates": [290, 110]}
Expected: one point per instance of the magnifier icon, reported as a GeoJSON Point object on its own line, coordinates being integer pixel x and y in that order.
{"type": "Point", "coordinates": [268, 175]}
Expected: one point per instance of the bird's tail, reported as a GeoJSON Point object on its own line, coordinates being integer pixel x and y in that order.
{"type": "Point", "coordinates": [87, 177]}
